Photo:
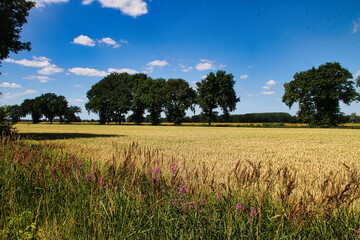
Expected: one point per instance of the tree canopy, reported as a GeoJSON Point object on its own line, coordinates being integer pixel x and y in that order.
{"type": "Point", "coordinates": [319, 91]}
{"type": "Point", "coordinates": [13, 15]}
{"type": "Point", "coordinates": [217, 90]}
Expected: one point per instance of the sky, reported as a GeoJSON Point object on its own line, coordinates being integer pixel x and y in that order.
{"type": "Point", "coordinates": [263, 43]}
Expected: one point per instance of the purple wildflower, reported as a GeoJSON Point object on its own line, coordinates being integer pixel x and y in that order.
{"type": "Point", "coordinates": [358, 231]}
{"type": "Point", "coordinates": [72, 162]}
{"type": "Point", "coordinates": [202, 210]}
{"type": "Point", "coordinates": [174, 168]}
{"type": "Point", "coordinates": [191, 206]}
{"type": "Point", "coordinates": [149, 171]}
{"type": "Point", "coordinates": [238, 207]}
{"type": "Point", "coordinates": [76, 158]}
{"type": "Point", "coordinates": [69, 154]}
{"type": "Point", "coordinates": [155, 180]}
{"type": "Point", "coordinates": [79, 164]}
{"type": "Point", "coordinates": [87, 176]}
{"type": "Point", "coordinates": [83, 160]}
{"type": "Point", "coordinates": [93, 167]}
{"type": "Point", "coordinates": [218, 197]}
{"type": "Point", "coordinates": [253, 212]}
{"type": "Point", "coordinates": [157, 170]}
{"type": "Point", "coordinates": [183, 189]}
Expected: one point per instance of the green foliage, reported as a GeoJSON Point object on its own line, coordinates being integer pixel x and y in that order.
{"type": "Point", "coordinates": [13, 15]}
{"type": "Point", "coordinates": [70, 114]}
{"type": "Point", "coordinates": [217, 91]}
{"type": "Point", "coordinates": [32, 106]}
{"type": "Point", "coordinates": [111, 97]}
{"type": "Point", "coordinates": [179, 96]}
{"type": "Point", "coordinates": [318, 92]}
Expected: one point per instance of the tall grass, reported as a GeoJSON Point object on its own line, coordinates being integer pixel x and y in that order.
{"type": "Point", "coordinates": [46, 193]}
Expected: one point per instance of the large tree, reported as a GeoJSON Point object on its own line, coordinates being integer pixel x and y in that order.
{"type": "Point", "coordinates": [179, 96]}
{"type": "Point", "coordinates": [111, 97]}
{"type": "Point", "coordinates": [138, 106]}
{"type": "Point", "coordinates": [319, 91]}
{"type": "Point", "coordinates": [32, 107]}
{"type": "Point", "coordinates": [13, 15]}
{"type": "Point", "coordinates": [217, 90]}
{"type": "Point", "coordinates": [150, 94]}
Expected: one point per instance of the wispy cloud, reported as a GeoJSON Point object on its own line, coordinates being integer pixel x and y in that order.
{"type": "Point", "coordinates": [42, 3]}
{"type": "Point", "coordinates": [132, 8]}
{"type": "Point", "coordinates": [91, 72]}
{"type": "Point", "coordinates": [268, 85]}
{"type": "Point", "coordinates": [267, 93]}
{"type": "Point", "coordinates": [76, 101]}
{"type": "Point", "coordinates": [42, 79]}
{"type": "Point", "coordinates": [356, 25]}
{"type": "Point", "coordinates": [39, 62]}
{"type": "Point", "coordinates": [158, 63]}
{"type": "Point", "coordinates": [245, 76]}
{"type": "Point", "coordinates": [10, 85]}
{"type": "Point", "coordinates": [15, 95]}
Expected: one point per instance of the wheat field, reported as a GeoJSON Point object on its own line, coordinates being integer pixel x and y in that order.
{"type": "Point", "coordinates": [314, 154]}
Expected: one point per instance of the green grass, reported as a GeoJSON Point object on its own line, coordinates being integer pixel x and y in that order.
{"type": "Point", "coordinates": [47, 193]}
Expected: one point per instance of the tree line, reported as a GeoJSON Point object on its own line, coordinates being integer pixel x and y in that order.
{"type": "Point", "coordinates": [118, 93]}
{"type": "Point", "coordinates": [47, 105]}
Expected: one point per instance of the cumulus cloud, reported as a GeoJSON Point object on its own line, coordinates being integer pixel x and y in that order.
{"type": "Point", "coordinates": [15, 95]}
{"type": "Point", "coordinates": [158, 63]}
{"type": "Point", "coordinates": [203, 76]}
{"type": "Point", "coordinates": [271, 83]}
{"type": "Point", "coordinates": [36, 62]}
{"type": "Point", "coordinates": [245, 76]}
{"type": "Point", "coordinates": [42, 79]}
{"type": "Point", "coordinates": [10, 85]}
{"type": "Point", "coordinates": [39, 62]}
{"type": "Point", "coordinates": [205, 65]}
{"type": "Point", "coordinates": [87, 72]}
{"type": "Point", "coordinates": [132, 8]}
{"type": "Point", "coordinates": [110, 42]}
{"type": "Point", "coordinates": [50, 70]}
{"type": "Point", "coordinates": [356, 25]}
{"type": "Point", "coordinates": [42, 3]}
{"type": "Point", "coordinates": [122, 70]}
{"type": "Point", "coordinates": [267, 93]}
{"type": "Point", "coordinates": [77, 85]}
{"type": "Point", "coordinates": [84, 40]}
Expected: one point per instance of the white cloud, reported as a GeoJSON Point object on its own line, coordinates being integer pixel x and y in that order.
{"type": "Point", "coordinates": [36, 62]}
{"type": "Point", "coordinates": [187, 69]}
{"type": "Point", "coordinates": [267, 93]}
{"type": "Point", "coordinates": [87, 72]}
{"type": "Point", "coordinates": [158, 63]}
{"type": "Point", "coordinates": [205, 65]}
{"type": "Point", "coordinates": [132, 8]}
{"type": "Point", "coordinates": [84, 40]}
{"type": "Point", "coordinates": [127, 70]}
{"type": "Point", "coordinates": [356, 25]}
{"type": "Point", "coordinates": [76, 101]}
{"type": "Point", "coordinates": [203, 76]}
{"type": "Point", "coordinates": [109, 41]}
{"type": "Point", "coordinates": [87, 2]}
{"type": "Point", "coordinates": [50, 70]}
{"type": "Point", "coordinates": [10, 85]}
{"type": "Point", "coordinates": [271, 83]}
{"type": "Point", "coordinates": [266, 87]}
{"type": "Point", "coordinates": [245, 76]}
{"type": "Point", "coordinates": [357, 74]}
{"type": "Point", "coordinates": [251, 95]}
{"type": "Point", "coordinates": [42, 79]}
{"type": "Point", "coordinates": [42, 3]}
{"type": "Point", "coordinates": [39, 62]}
{"type": "Point", "coordinates": [15, 95]}
{"type": "Point", "coordinates": [77, 85]}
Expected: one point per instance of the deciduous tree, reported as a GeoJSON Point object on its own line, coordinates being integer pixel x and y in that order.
{"type": "Point", "coordinates": [319, 91]}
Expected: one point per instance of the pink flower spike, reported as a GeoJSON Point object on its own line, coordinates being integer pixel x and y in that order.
{"type": "Point", "coordinates": [238, 207]}
{"type": "Point", "coordinates": [202, 210]}
{"type": "Point", "coordinates": [157, 170]}
{"type": "Point", "coordinates": [358, 231]}
{"type": "Point", "coordinates": [87, 176]}
{"type": "Point", "coordinates": [149, 171]}
{"type": "Point", "coordinates": [253, 212]}
{"type": "Point", "coordinates": [155, 180]}
{"type": "Point", "coordinates": [218, 197]}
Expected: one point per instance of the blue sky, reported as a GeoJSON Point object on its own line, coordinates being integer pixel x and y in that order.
{"type": "Point", "coordinates": [75, 43]}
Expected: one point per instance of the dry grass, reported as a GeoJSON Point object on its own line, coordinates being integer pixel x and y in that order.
{"type": "Point", "coordinates": [315, 154]}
